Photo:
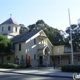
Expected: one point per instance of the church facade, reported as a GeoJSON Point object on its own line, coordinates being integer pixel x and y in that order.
{"type": "Point", "coordinates": [34, 48]}
{"type": "Point", "coordinates": [29, 49]}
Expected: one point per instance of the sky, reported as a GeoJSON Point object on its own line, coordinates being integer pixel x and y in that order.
{"type": "Point", "coordinates": [53, 12]}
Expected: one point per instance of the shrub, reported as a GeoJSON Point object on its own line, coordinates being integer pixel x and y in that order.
{"type": "Point", "coordinates": [10, 65]}
{"type": "Point", "coordinates": [70, 68]}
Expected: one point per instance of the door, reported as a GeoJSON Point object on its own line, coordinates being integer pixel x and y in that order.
{"type": "Point", "coordinates": [28, 60]}
{"type": "Point", "coordinates": [41, 60]}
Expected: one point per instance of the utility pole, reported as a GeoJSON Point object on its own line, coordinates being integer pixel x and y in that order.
{"type": "Point", "coordinates": [72, 60]}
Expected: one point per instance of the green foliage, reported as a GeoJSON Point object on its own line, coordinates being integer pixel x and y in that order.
{"type": "Point", "coordinates": [10, 65]}
{"type": "Point", "coordinates": [75, 31]}
{"type": "Point", "coordinates": [40, 22]}
{"type": "Point", "coordinates": [53, 34]}
{"type": "Point", "coordinates": [23, 29]}
{"type": "Point", "coordinates": [70, 68]}
{"type": "Point", "coordinates": [5, 44]}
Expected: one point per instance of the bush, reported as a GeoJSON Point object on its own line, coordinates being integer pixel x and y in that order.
{"type": "Point", "coordinates": [70, 68]}
{"type": "Point", "coordinates": [10, 65]}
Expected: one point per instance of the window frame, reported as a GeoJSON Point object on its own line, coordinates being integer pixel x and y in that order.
{"type": "Point", "coordinates": [9, 28]}
{"type": "Point", "coordinates": [19, 46]}
{"type": "Point", "coordinates": [2, 28]}
{"type": "Point", "coordinates": [35, 41]}
{"type": "Point", "coordinates": [16, 29]}
{"type": "Point", "coordinates": [8, 58]}
{"type": "Point", "coordinates": [34, 56]}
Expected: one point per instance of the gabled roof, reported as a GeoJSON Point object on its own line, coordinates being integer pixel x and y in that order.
{"type": "Point", "coordinates": [9, 21]}
{"type": "Point", "coordinates": [24, 37]}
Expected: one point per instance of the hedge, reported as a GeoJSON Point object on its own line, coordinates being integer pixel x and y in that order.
{"type": "Point", "coordinates": [70, 68]}
{"type": "Point", "coordinates": [10, 65]}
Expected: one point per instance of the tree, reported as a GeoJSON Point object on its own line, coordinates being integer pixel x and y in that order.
{"type": "Point", "coordinates": [75, 31]}
{"type": "Point", "coordinates": [53, 34]}
{"type": "Point", "coordinates": [32, 27]}
{"type": "Point", "coordinates": [40, 22]}
{"type": "Point", "coordinates": [23, 29]}
{"type": "Point", "coordinates": [5, 46]}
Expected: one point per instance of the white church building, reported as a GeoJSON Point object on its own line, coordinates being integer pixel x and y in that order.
{"type": "Point", "coordinates": [29, 49]}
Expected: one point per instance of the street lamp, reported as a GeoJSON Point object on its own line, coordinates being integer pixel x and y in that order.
{"type": "Point", "coordinates": [72, 61]}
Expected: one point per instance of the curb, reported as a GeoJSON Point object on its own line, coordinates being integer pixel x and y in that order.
{"type": "Point", "coordinates": [39, 74]}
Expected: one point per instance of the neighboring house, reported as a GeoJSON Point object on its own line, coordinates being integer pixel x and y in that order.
{"type": "Point", "coordinates": [32, 48]}
{"type": "Point", "coordinates": [62, 55]}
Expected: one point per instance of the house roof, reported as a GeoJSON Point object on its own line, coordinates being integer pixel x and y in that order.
{"type": "Point", "coordinates": [10, 21]}
{"type": "Point", "coordinates": [24, 37]}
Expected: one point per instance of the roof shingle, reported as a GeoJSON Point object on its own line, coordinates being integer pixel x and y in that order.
{"type": "Point", "coordinates": [24, 37]}
{"type": "Point", "coordinates": [10, 21]}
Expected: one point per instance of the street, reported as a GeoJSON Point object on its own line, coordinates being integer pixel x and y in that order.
{"type": "Point", "coordinates": [13, 76]}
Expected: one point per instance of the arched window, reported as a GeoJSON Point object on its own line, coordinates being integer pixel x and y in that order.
{"type": "Point", "coordinates": [9, 28]}
{"type": "Point", "coordinates": [2, 28]}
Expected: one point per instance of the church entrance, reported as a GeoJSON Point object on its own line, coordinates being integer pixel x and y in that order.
{"type": "Point", "coordinates": [41, 60]}
{"type": "Point", "coordinates": [28, 60]}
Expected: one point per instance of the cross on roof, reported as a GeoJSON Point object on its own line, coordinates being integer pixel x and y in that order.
{"type": "Point", "coordinates": [10, 15]}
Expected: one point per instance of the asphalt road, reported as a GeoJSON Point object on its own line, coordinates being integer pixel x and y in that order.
{"type": "Point", "coordinates": [13, 76]}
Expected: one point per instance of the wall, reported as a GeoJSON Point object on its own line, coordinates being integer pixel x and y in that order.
{"type": "Point", "coordinates": [31, 49]}
{"type": "Point", "coordinates": [45, 42]}
{"type": "Point", "coordinates": [8, 61]}
{"type": "Point", "coordinates": [58, 50]}
{"type": "Point", "coordinates": [21, 53]}
{"type": "Point", "coordinates": [12, 31]}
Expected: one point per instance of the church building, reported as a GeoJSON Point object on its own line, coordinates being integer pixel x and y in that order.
{"type": "Point", "coordinates": [29, 49]}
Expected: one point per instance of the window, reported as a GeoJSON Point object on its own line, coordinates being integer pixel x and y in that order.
{"type": "Point", "coordinates": [9, 28]}
{"type": "Point", "coordinates": [58, 49]}
{"type": "Point", "coordinates": [34, 41]}
{"type": "Point", "coordinates": [13, 46]}
{"type": "Point", "coordinates": [58, 59]}
{"type": "Point", "coordinates": [16, 29]}
{"type": "Point", "coordinates": [19, 47]}
{"type": "Point", "coordinates": [2, 28]}
{"type": "Point", "coordinates": [34, 56]}
{"type": "Point", "coordinates": [8, 58]}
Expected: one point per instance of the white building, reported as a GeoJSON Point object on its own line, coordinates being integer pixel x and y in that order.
{"type": "Point", "coordinates": [32, 48]}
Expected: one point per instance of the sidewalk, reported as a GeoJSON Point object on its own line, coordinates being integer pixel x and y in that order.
{"type": "Point", "coordinates": [48, 72]}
